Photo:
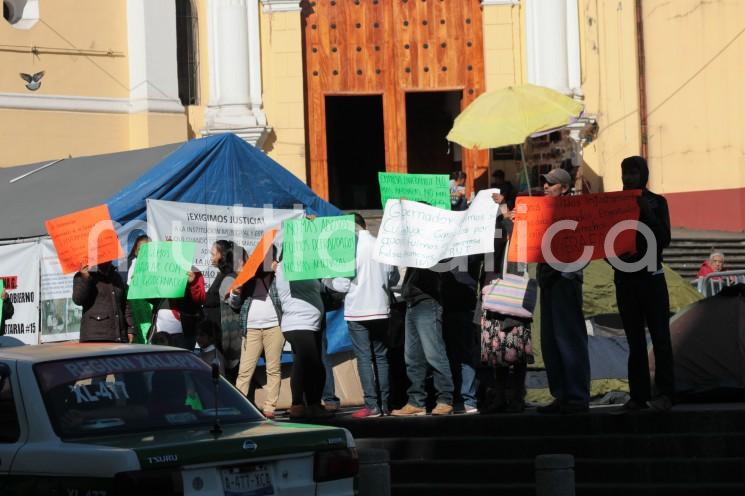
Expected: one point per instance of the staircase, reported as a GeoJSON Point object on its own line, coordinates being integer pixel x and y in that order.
{"type": "Point", "coordinates": [677, 453]}
{"type": "Point", "coordinates": [686, 253]}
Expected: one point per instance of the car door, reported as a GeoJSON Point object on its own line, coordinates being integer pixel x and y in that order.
{"type": "Point", "coordinates": [10, 427]}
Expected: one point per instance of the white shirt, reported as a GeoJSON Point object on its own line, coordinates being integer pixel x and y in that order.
{"type": "Point", "coordinates": [302, 307]}
{"type": "Point", "coordinates": [167, 322]}
{"type": "Point", "coordinates": [367, 296]}
{"type": "Point", "coordinates": [261, 313]}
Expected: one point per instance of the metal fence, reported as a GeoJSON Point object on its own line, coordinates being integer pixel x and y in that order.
{"type": "Point", "coordinates": [713, 283]}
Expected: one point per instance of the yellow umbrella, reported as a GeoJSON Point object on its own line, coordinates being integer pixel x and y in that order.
{"type": "Point", "coordinates": [508, 116]}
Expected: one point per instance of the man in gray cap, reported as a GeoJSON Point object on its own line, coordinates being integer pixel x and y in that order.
{"type": "Point", "coordinates": [563, 331]}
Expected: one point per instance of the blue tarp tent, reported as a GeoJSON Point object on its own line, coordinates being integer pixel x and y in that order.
{"type": "Point", "coordinates": [225, 170]}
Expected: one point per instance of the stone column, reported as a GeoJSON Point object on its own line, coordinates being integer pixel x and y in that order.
{"type": "Point", "coordinates": [235, 71]}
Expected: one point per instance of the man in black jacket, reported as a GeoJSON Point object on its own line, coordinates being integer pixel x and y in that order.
{"type": "Point", "coordinates": [643, 298]}
{"type": "Point", "coordinates": [7, 310]}
{"type": "Point", "coordinates": [102, 296]}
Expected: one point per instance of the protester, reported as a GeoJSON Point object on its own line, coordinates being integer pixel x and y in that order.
{"type": "Point", "coordinates": [507, 389]}
{"type": "Point", "coordinates": [715, 263]}
{"type": "Point", "coordinates": [228, 258]}
{"type": "Point", "coordinates": [101, 293]}
{"type": "Point", "coordinates": [458, 191]}
{"type": "Point", "coordinates": [366, 311]}
{"type": "Point", "coordinates": [207, 332]}
{"type": "Point", "coordinates": [261, 312]}
{"type": "Point", "coordinates": [424, 345]}
{"type": "Point", "coordinates": [563, 333]}
{"type": "Point", "coordinates": [178, 317]}
{"type": "Point", "coordinates": [302, 313]}
{"type": "Point", "coordinates": [643, 298]}
{"type": "Point", "coordinates": [506, 189]}
{"type": "Point", "coordinates": [8, 310]}
{"type": "Point", "coordinates": [139, 312]}
{"type": "Point", "coordinates": [330, 400]}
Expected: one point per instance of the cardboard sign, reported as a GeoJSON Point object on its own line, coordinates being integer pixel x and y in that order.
{"type": "Point", "coordinates": [416, 235]}
{"type": "Point", "coordinates": [319, 248]}
{"type": "Point", "coordinates": [255, 260]}
{"type": "Point", "coordinates": [161, 270]}
{"type": "Point", "coordinates": [595, 215]}
{"type": "Point", "coordinates": [86, 237]}
{"type": "Point", "coordinates": [431, 188]}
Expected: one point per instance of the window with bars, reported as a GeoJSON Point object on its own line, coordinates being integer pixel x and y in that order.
{"type": "Point", "coordinates": [186, 52]}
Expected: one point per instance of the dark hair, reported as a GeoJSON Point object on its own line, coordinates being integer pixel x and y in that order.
{"type": "Point", "coordinates": [225, 249]}
{"type": "Point", "coordinates": [359, 220]}
{"type": "Point", "coordinates": [139, 239]}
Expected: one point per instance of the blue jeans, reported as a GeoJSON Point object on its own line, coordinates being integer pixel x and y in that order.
{"type": "Point", "coordinates": [424, 346]}
{"type": "Point", "coordinates": [372, 360]}
{"type": "Point", "coordinates": [329, 388]}
{"type": "Point", "coordinates": [462, 341]}
{"type": "Point", "coordinates": [564, 341]}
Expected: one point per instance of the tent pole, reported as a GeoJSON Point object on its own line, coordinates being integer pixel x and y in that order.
{"type": "Point", "coordinates": [525, 168]}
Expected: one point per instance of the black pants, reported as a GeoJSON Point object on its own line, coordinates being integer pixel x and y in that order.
{"type": "Point", "coordinates": [643, 299]}
{"type": "Point", "coordinates": [308, 374]}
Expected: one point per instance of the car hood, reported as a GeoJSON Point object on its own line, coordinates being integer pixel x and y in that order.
{"type": "Point", "coordinates": [245, 441]}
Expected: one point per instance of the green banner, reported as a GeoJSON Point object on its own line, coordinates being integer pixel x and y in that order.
{"type": "Point", "coordinates": [431, 188]}
{"type": "Point", "coordinates": [319, 248]}
{"type": "Point", "coordinates": [161, 270]}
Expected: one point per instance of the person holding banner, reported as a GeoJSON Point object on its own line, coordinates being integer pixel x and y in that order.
{"type": "Point", "coordinates": [178, 317]}
{"type": "Point", "coordinates": [101, 293]}
{"type": "Point", "coordinates": [563, 333]}
{"type": "Point", "coordinates": [366, 311]}
{"type": "Point", "coordinates": [260, 314]}
{"type": "Point", "coordinates": [7, 312]}
{"type": "Point", "coordinates": [139, 312]}
{"type": "Point", "coordinates": [643, 298]}
{"type": "Point", "coordinates": [300, 321]}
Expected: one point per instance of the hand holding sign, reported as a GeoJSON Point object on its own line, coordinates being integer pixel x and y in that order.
{"type": "Point", "coordinates": [162, 270]}
{"type": "Point", "coordinates": [255, 260]}
{"type": "Point", "coordinates": [317, 249]}
{"type": "Point", "coordinates": [86, 237]}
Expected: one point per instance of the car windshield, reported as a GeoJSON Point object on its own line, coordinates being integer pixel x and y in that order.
{"type": "Point", "coordinates": [134, 393]}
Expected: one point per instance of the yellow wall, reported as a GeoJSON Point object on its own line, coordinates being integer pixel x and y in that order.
{"type": "Point", "coordinates": [503, 46]}
{"type": "Point", "coordinates": [695, 52]}
{"type": "Point", "coordinates": [284, 103]}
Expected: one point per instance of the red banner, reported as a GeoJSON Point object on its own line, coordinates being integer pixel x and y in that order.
{"type": "Point", "coordinates": [577, 223]}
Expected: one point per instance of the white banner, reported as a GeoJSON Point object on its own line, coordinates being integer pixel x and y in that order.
{"type": "Point", "coordinates": [413, 234]}
{"type": "Point", "coordinates": [60, 317]}
{"type": "Point", "coordinates": [19, 269]}
{"type": "Point", "coordinates": [205, 224]}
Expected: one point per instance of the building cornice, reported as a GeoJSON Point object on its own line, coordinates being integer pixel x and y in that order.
{"type": "Point", "coordinates": [281, 5]}
{"type": "Point", "coordinates": [93, 104]}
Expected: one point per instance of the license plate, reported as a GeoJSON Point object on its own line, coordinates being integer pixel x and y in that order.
{"type": "Point", "coordinates": [248, 480]}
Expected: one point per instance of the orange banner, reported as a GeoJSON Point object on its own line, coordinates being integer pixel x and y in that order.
{"type": "Point", "coordinates": [86, 237]}
{"type": "Point", "coordinates": [256, 259]}
{"type": "Point", "coordinates": [595, 215]}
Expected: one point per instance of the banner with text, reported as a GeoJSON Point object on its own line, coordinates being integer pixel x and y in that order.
{"type": "Point", "coordinates": [416, 235]}
{"type": "Point", "coordinates": [204, 224]}
{"type": "Point", "coordinates": [319, 248]}
{"type": "Point", "coordinates": [575, 222]}
{"type": "Point", "coordinates": [431, 188]}
{"type": "Point", "coordinates": [19, 271]}
{"type": "Point", "coordinates": [60, 316]}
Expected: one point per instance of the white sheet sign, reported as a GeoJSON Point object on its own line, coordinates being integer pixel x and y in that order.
{"type": "Point", "coordinates": [60, 316]}
{"type": "Point", "coordinates": [416, 235]}
{"type": "Point", "coordinates": [205, 224]}
{"type": "Point", "coordinates": [19, 269]}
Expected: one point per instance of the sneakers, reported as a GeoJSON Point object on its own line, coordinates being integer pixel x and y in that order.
{"type": "Point", "coordinates": [331, 406]}
{"type": "Point", "coordinates": [297, 411]}
{"type": "Point", "coordinates": [570, 408]}
{"type": "Point", "coordinates": [469, 410]}
{"type": "Point", "coordinates": [552, 408]}
{"type": "Point", "coordinates": [318, 412]}
{"type": "Point", "coordinates": [443, 409]}
{"type": "Point", "coordinates": [367, 413]}
{"type": "Point", "coordinates": [409, 411]}
{"type": "Point", "coordinates": [660, 404]}
{"type": "Point", "coordinates": [269, 414]}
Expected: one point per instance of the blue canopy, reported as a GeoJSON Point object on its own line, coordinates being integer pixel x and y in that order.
{"type": "Point", "coordinates": [217, 170]}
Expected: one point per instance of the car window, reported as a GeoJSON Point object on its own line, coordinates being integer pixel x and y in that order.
{"type": "Point", "coordinates": [133, 393]}
{"type": "Point", "coordinates": [10, 430]}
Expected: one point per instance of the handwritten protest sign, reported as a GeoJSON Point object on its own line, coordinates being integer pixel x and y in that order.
{"type": "Point", "coordinates": [255, 260]}
{"type": "Point", "coordinates": [431, 188]}
{"type": "Point", "coordinates": [161, 270]}
{"type": "Point", "coordinates": [86, 237]}
{"type": "Point", "coordinates": [319, 248]}
{"type": "Point", "coordinates": [595, 215]}
{"type": "Point", "coordinates": [416, 235]}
